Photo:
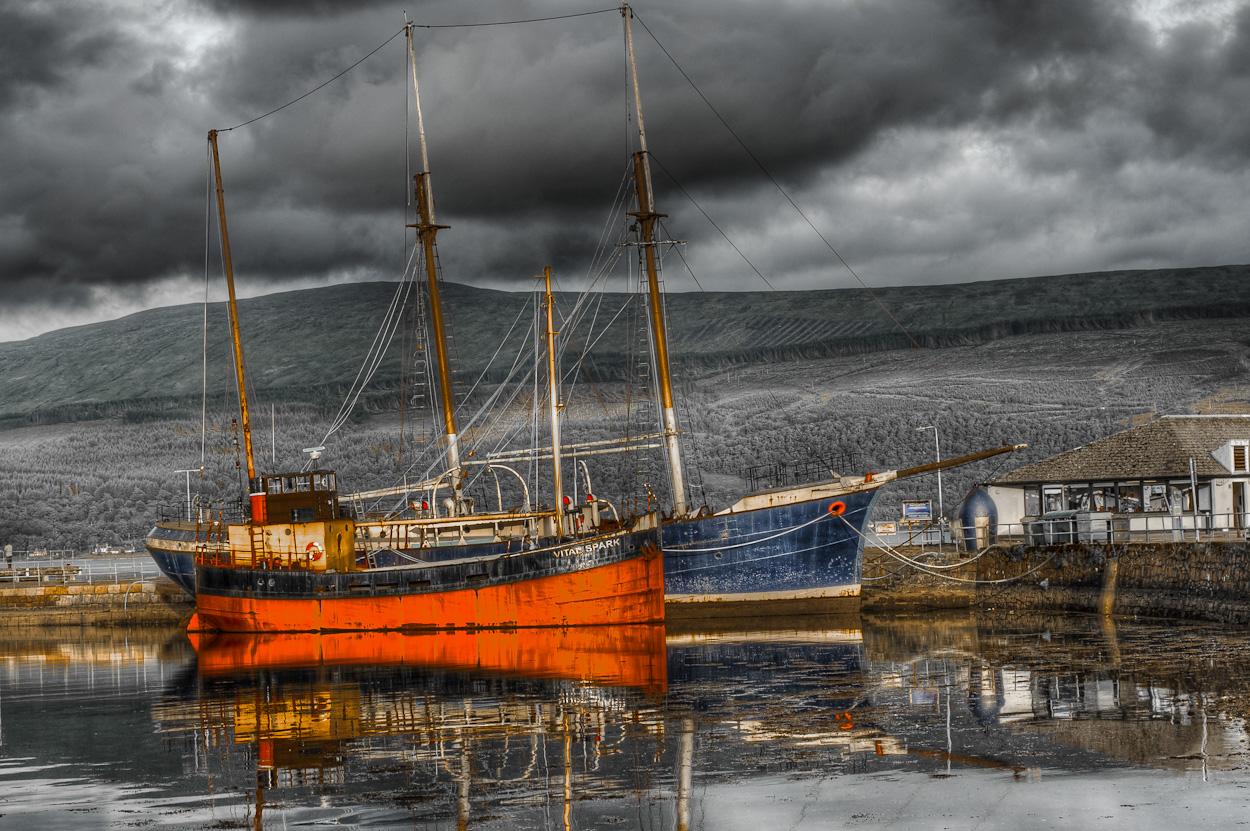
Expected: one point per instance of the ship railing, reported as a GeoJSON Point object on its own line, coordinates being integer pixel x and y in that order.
{"type": "Point", "coordinates": [224, 557]}
{"type": "Point", "coordinates": [775, 475]}
{"type": "Point", "coordinates": [204, 512]}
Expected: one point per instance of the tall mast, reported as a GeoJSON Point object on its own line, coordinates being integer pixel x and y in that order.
{"type": "Point", "coordinates": [234, 313]}
{"type": "Point", "coordinates": [427, 230]}
{"type": "Point", "coordinates": [554, 403]}
{"type": "Point", "coordinates": [646, 221]}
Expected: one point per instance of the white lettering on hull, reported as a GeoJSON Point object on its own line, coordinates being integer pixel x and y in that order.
{"type": "Point", "coordinates": [590, 547]}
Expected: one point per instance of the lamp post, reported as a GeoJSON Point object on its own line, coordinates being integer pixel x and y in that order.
{"type": "Point", "coordinates": [937, 450]}
{"type": "Point", "coordinates": [188, 472]}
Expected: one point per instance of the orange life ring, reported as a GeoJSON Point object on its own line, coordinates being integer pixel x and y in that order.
{"type": "Point", "coordinates": [837, 508]}
{"type": "Point", "coordinates": [314, 550]}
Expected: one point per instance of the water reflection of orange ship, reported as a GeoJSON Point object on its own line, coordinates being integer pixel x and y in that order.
{"type": "Point", "coordinates": [305, 704]}
{"type": "Point", "coordinates": [616, 656]}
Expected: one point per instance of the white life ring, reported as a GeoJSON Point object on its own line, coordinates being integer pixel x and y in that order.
{"type": "Point", "coordinates": [314, 550]}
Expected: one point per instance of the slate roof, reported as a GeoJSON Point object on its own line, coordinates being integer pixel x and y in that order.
{"type": "Point", "coordinates": [1161, 448]}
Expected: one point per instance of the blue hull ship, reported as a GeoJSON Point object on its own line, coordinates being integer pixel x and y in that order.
{"type": "Point", "coordinates": [795, 544]}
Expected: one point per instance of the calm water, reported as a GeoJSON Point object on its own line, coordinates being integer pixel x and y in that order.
{"type": "Point", "coordinates": [1035, 723]}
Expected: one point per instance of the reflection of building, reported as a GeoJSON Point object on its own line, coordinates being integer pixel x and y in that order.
{"type": "Point", "coordinates": [1136, 483]}
{"type": "Point", "coordinates": [1107, 713]}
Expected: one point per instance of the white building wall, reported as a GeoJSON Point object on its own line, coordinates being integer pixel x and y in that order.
{"type": "Point", "coordinates": [1010, 504]}
{"type": "Point", "coordinates": [1221, 497]}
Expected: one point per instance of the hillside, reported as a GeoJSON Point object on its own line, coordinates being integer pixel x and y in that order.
{"type": "Point", "coordinates": [104, 481]}
{"type": "Point", "coordinates": [305, 346]}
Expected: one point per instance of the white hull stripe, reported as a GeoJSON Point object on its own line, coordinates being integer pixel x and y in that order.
{"type": "Point", "coordinates": [850, 590]}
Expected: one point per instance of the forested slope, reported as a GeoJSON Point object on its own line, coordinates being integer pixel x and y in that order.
{"type": "Point", "coordinates": [306, 346]}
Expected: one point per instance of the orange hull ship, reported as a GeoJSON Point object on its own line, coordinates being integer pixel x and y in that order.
{"type": "Point", "coordinates": [606, 578]}
{"type": "Point", "coordinates": [624, 592]}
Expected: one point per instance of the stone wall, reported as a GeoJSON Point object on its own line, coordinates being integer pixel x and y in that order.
{"type": "Point", "coordinates": [1201, 581]}
{"type": "Point", "coordinates": [109, 604]}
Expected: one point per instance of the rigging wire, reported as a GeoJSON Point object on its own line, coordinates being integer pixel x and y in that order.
{"type": "Point", "coordinates": [391, 320]}
{"type": "Point", "coordinates": [316, 88]}
{"type": "Point", "coordinates": [787, 196]}
{"type": "Point", "coordinates": [208, 237]}
{"type": "Point", "coordinates": [616, 9]}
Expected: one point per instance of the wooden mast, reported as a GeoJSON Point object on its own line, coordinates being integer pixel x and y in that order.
{"type": "Point", "coordinates": [646, 221]}
{"type": "Point", "coordinates": [234, 317]}
{"type": "Point", "coordinates": [427, 230]}
{"type": "Point", "coordinates": [552, 391]}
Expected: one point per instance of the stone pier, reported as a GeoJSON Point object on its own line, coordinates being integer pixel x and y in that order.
{"type": "Point", "coordinates": [137, 603]}
{"type": "Point", "coordinates": [1194, 580]}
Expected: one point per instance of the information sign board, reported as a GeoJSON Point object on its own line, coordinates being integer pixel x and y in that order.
{"type": "Point", "coordinates": [917, 511]}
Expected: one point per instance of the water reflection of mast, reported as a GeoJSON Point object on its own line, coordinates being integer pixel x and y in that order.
{"type": "Point", "coordinates": [685, 769]}
{"type": "Point", "coordinates": [266, 773]}
{"type": "Point", "coordinates": [568, 775]}
{"type": "Point", "coordinates": [462, 799]}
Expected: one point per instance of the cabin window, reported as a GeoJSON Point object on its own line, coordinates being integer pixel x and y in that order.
{"type": "Point", "coordinates": [1032, 502]}
{"type": "Point", "coordinates": [273, 485]}
{"type": "Point", "coordinates": [288, 484]}
{"type": "Point", "coordinates": [303, 483]}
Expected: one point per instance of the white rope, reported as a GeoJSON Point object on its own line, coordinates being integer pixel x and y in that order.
{"type": "Point", "coordinates": [790, 530]}
{"type": "Point", "coordinates": [926, 569]}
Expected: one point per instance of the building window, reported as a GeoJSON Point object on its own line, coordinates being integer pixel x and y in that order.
{"type": "Point", "coordinates": [1239, 459]}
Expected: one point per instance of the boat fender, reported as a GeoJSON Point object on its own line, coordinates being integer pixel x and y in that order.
{"type": "Point", "coordinates": [837, 508]}
{"type": "Point", "coordinates": [314, 550]}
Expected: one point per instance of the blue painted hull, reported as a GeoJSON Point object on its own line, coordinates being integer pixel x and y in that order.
{"type": "Point", "coordinates": [800, 550]}
{"type": "Point", "coordinates": [178, 566]}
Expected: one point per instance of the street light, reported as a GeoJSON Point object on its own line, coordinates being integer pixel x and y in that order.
{"type": "Point", "coordinates": [937, 450]}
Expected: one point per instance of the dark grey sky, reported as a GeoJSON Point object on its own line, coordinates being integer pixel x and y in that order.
{"type": "Point", "coordinates": [929, 140]}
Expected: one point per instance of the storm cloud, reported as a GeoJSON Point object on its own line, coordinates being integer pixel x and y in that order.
{"type": "Point", "coordinates": [931, 141]}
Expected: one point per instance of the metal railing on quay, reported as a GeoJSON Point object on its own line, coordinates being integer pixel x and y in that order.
{"type": "Point", "coordinates": [1065, 527]}
{"type": "Point", "coordinates": [64, 567]}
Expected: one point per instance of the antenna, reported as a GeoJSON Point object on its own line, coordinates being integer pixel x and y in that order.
{"type": "Point", "coordinates": [314, 453]}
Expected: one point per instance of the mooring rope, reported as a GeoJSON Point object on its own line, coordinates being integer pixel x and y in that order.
{"type": "Point", "coordinates": [908, 561]}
